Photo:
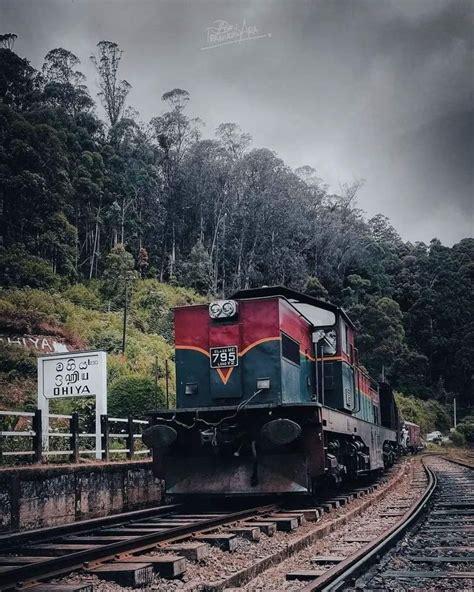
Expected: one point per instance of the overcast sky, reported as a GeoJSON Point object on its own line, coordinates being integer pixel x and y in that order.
{"type": "Point", "coordinates": [379, 89]}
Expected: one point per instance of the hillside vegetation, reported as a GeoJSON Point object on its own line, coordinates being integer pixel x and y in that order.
{"type": "Point", "coordinates": [93, 210]}
{"type": "Point", "coordinates": [80, 314]}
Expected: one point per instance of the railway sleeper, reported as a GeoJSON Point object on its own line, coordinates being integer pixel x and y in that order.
{"type": "Point", "coordinates": [62, 588]}
{"type": "Point", "coordinates": [284, 524]}
{"type": "Point", "coordinates": [126, 574]}
{"type": "Point", "coordinates": [447, 559]}
{"type": "Point", "coordinates": [268, 528]}
{"type": "Point", "coordinates": [251, 533]}
{"type": "Point", "coordinates": [409, 574]}
{"type": "Point", "coordinates": [304, 574]}
{"type": "Point", "coordinates": [169, 567]}
{"type": "Point", "coordinates": [225, 541]}
{"type": "Point", "coordinates": [191, 551]}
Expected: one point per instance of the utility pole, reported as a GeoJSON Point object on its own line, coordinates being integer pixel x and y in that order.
{"type": "Point", "coordinates": [124, 335]}
{"type": "Point", "coordinates": [167, 376]}
{"type": "Point", "coordinates": [455, 413]}
{"type": "Point", "coordinates": [156, 378]}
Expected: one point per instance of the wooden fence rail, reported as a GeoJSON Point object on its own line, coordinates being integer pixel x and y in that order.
{"type": "Point", "coordinates": [31, 444]}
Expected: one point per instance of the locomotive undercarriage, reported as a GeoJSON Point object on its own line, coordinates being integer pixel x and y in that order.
{"type": "Point", "coordinates": [261, 450]}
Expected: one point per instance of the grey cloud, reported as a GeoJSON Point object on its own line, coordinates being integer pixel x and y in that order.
{"type": "Point", "coordinates": [356, 88]}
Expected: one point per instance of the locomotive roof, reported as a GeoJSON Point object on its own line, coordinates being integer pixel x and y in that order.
{"type": "Point", "coordinates": [291, 295]}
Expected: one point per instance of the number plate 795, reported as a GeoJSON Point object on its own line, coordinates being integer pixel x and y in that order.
{"type": "Point", "coordinates": [224, 357]}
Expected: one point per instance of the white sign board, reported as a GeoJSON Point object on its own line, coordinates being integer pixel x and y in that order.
{"type": "Point", "coordinates": [73, 375]}
{"type": "Point", "coordinates": [66, 375]}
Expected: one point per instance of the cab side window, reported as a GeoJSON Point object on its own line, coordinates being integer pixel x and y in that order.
{"type": "Point", "coordinates": [290, 349]}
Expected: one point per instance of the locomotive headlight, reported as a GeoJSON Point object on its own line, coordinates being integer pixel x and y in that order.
{"type": "Point", "coordinates": [214, 310]}
{"type": "Point", "coordinates": [222, 309]}
{"type": "Point", "coordinates": [228, 308]}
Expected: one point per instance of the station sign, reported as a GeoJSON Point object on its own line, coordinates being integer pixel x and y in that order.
{"type": "Point", "coordinates": [80, 374]}
{"type": "Point", "coordinates": [68, 375]}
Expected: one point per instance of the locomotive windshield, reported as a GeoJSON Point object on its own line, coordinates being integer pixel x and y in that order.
{"type": "Point", "coordinates": [318, 317]}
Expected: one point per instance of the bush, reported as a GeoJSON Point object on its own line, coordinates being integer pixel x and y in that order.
{"type": "Point", "coordinates": [19, 269]}
{"type": "Point", "coordinates": [457, 438]}
{"type": "Point", "coordinates": [152, 304]}
{"type": "Point", "coordinates": [429, 415]}
{"type": "Point", "coordinates": [31, 311]}
{"type": "Point", "coordinates": [466, 428]}
{"type": "Point", "coordinates": [82, 295]}
{"type": "Point", "coordinates": [134, 395]}
{"type": "Point", "coordinates": [15, 360]}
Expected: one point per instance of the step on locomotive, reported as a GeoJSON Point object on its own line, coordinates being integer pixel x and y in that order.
{"type": "Point", "coordinates": [271, 398]}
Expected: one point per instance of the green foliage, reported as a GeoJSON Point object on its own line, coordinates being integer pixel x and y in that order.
{"type": "Point", "coordinates": [119, 274]}
{"type": "Point", "coordinates": [429, 415]}
{"type": "Point", "coordinates": [134, 395]}
{"type": "Point", "coordinates": [152, 304]}
{"type": "Point", "coordinates": [457, 438]}
{"type": "Point", "coordinates": [315, 288]}
{"type": "Point", "coordinates": [381, 340]}
{"type": "Point", "coordinates": [31, 311]}
{"type": "Point", "coordinates": [197, 272]}
{"type": "Point", "coordinates": [15, 362]}
{"type": "Point", "coordinates": [19, 269]}
{"type": "Point", "coordinates": [77, 316]}
{"type": "Point", "coordinates": [466, 428]}
{"type": "Point", "coordinates": [83, 295]}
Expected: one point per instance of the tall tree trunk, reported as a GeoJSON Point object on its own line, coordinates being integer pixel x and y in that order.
{"type": "Point", "coordinates": [94, 248]}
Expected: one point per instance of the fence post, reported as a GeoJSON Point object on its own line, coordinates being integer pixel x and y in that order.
{"type": "Point", "coordinates": [74, 440]}
{"type": "Point", "coordinates": [104, 429]}
{"type": "Point", "coordinates": [38, 437]}
{"type": "Point", "coordinates": [1, 440]}
{"type": "Point", "coordinates": [130, 439]}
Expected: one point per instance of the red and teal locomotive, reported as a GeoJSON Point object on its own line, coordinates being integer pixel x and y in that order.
{"type": "Point", "coordinates": [271, 398]}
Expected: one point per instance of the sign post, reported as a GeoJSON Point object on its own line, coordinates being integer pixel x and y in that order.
{"type": "Point", "coordinates": [71, 375]}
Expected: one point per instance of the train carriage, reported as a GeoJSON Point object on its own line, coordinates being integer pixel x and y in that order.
{"type": "Point", "coordinates": [271, 398]}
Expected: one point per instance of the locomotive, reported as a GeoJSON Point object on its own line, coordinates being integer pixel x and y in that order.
{"type": "Point", "coordinates": [271, 398]}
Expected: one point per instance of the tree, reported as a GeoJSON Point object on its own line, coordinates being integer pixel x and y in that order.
{"type": "Point", "coordinates": [315, 288]}
{"type": "Point", "coordinates": [17, 83]}
{"type": "Point", "coordinates": [382, 337]}
{"type": "Point", "coordinates": [64, 84]}
{"type": "Point", "coordinates": [119, 274]}
{"type": "Point", "coordinates": [234, 141]}
{"type": "Point", "coordinates": [143, 263]}
{"type": "Point", "coordinates": [113, 92]}
{"type": "Point", "coordinates": [196, 272]}
{"type": "Point", "coordinates": [174, 133]}
{"type": "Point", "coordinates": [7, 41]}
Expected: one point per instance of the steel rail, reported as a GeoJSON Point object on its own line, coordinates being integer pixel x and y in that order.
{"type": "Point", "coordinates": [336, 577]}
{"type": "Point", "coordinates": [64, 564]}
{"type": "Point", "coordinates": [459, 461]}
{"type": "Point", "coordinates": [7, 541]}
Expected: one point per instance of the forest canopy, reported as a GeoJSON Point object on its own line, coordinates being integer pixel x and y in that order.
{"type": "Point", "coordinates": [116, 199]}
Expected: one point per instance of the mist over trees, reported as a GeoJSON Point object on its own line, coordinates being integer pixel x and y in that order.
{"type": "Point", "coordinates": [82, 198]}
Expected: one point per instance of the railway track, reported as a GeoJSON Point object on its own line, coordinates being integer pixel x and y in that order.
{"type": "Point", "coordinates": [118, 547]}
{"type": "Point", "coordinates": [109, 547]}
{"type": "Point", "coordinates": [437, 553]}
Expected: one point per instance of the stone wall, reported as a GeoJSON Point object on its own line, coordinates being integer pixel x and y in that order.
{"type": "Point", "coordinates": [38, 496]}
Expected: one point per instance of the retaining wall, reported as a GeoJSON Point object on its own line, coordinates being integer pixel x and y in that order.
{"type": "Point", "coordinates": [34, 497]}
